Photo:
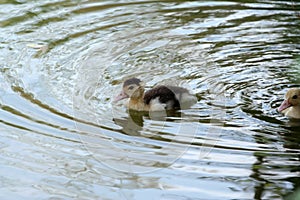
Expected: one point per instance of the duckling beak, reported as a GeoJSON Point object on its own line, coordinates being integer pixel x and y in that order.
{"type": "Point", "coordinates": [284, 105]}
{"type": "Point", "coordinates": [121, 96]}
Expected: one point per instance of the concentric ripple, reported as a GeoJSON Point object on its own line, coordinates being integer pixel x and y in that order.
{"type": "Point", "coordinates": [64, 61]}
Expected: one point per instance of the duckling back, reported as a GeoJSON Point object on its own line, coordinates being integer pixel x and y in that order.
{"type": "Point", "coordinates": [169, 97]}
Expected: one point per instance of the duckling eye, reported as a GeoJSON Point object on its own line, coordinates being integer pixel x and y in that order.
{"type": "Point", "coordinates": [295, 97]}
{"type": "Point", "coordinates": [130, 87]}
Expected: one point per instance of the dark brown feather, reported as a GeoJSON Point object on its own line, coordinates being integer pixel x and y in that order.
{"type": "Point", "coordinates": [132, 81]}
{"type": "Point", "coordinates": [165, 95]}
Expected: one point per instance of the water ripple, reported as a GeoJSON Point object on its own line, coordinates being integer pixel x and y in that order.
{"type": "Point", "coordinates": [63, 62]}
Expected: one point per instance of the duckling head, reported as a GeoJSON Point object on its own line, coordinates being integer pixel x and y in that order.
{"type": "Point", "coordinates": [132, 88]}
{"type": "Point", "coordinates": [292, 98]}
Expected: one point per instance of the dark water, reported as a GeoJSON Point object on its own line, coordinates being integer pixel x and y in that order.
{"type": "Point", "coordinates": [63, 62]}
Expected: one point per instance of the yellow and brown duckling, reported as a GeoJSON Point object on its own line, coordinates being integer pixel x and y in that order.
{"type": "Point", "coordinates": [290, 107]}
{"type": "Point", "coordinates": [158, 98]}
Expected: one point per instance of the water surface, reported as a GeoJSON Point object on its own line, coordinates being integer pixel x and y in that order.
{"type": "Point", "coordinates": [63, 62]}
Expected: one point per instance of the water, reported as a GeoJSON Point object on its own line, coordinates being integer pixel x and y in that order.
{"type": "Point", "coordinates": [63, 62]}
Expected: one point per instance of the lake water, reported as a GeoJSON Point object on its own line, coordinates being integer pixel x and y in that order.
{"type": "Point", "coordinates": [62, 62]}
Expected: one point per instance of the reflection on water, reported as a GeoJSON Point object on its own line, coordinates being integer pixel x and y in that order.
{"type": "Point", "coordinates": [63, 62]}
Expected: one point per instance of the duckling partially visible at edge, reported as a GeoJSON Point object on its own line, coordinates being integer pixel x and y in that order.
{"type": "Point", "coordinates": [290, 107]}
{"type": "Point", "coordinates": [157, 99]}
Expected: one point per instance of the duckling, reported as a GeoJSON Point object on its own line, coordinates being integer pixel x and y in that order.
{"type": "Point", "coordinates": [290, 107]}
{"type": "Point", "coordinates": [156, 99]}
